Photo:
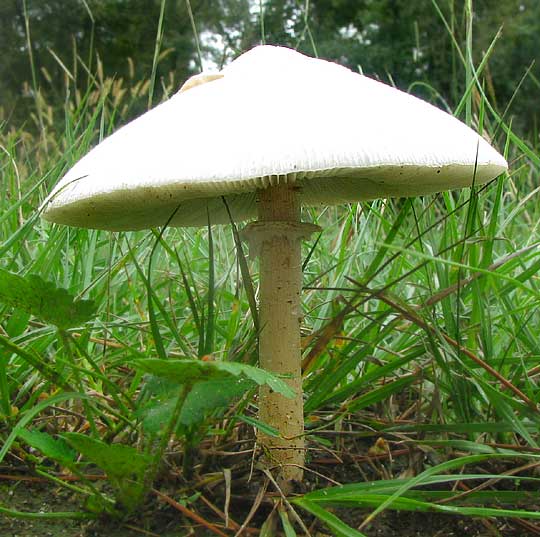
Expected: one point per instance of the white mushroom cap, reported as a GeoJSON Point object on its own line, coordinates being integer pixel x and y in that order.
{"type": "Point", "coordinates": [274, 116]}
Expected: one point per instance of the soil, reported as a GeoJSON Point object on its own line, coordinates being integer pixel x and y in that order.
{"type": "Point", "coordinates": [23, 491]}
{"type": "Point", "coordinates": [161, 520]}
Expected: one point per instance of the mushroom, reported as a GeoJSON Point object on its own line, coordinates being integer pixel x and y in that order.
{"type": "Point", "coordinates": [273, 131]}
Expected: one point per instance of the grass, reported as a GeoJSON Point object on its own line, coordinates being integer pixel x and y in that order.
{"type": "Point", "coordinates": [421, 348]}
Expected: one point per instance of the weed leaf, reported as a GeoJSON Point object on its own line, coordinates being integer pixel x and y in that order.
{"type": "Point", "coordinates": [56, 449]}
{"type": "Point", "coordinates": [192, 371]}
{"type": "Point", "coordinates": [204, 398]}
{"type": "Point", "coordinates": [211, 395]}
{"type": "Point", "coordinates": [124, 466]}
{"type": "Point", "coordinates": [44, 300]}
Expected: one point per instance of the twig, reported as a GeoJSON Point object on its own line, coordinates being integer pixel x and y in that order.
{"type": "Point", "coordinates": [254, 508]}
{"type": "Point", "coordinates": [189, 513]}
{"type": "Point", "coordinates": [140, 530]}
{"type": "Point", "coordinates": [287, 503]}
{"type": "Point", "coordinates": [230, 522]}
{"type": "Point", "coordinates": [227, 477]}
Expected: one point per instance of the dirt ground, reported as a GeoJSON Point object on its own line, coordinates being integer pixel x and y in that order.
{"type": "Point", "coordinates": [164, 521]}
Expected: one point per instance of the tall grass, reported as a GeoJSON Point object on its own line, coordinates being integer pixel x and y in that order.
{"type": "Point", "coordinates": [421, 323]}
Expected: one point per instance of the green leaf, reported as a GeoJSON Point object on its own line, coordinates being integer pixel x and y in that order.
{"type": "Point", "coordinates": [286, 523]}
{"type": "Point", "coordinates": [17, 323]}
{"type": "Point", "coordinates": [192, 371]}
{"type": "Point", "coordinates": [389, 495]}
{"type": "Point", "coordinates": [208, 344]}
{"type": "Point", "coordinates": [44, 300]}
{"type": "Point", "coordinates": [53, 448]}
{"type": "Point", "coordinates": [211, 395]}
{"type": "Point", "coordinates": [410, 504]}
{"type": "Point", "coordinates": [381, 393]}
{"type": "Point", "coordinates": [124, 465]}
{"type": "Point", "coordinates": [69, 515]}
{"type": "Point", "coordinates": [267, 528]}
{"type": "Point", "coordinates": [338, 527]}
{"type": "Point", "coordinates": [31, 413]}
{"type": "Point", "coordinates": [356, 494]}
{"type": "Point", "coordinates": [244, 269]}
{"type": "Point", "coordinates": [204, 398]}
{"type": "Point", "coordinates": [259, 425]}
{"type": "Point", "coordinates": [36, 361]}
{"type": "Point", "coordinates": [156, 414]}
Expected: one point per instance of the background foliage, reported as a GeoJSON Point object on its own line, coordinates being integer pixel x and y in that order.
{"type": "Point", "coordinates": [397, 40]}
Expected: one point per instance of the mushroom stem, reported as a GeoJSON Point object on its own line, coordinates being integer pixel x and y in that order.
{"type": "Point", "coordinates": [279, 340]}
{"type": "Point", "coordinates": [276, 237]}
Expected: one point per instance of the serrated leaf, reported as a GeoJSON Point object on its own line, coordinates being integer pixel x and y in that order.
{"type": "Point", "coordinates": [44, 300]}
{"type": "Point", "coordinates": [211, 395]}
{"type": "Point", "coordinates": [204, 398]}
{"type": "Point", "coordinates": [159, 397]}
{"type": "Point", "coordinates": [192, 371]}
{"type": "Point", "coordinates": [156, 414]}
{"type": "Point", "coordinates": [56, 449]}
{"type": "Point", "coordinates": [180, 371]}
{"type": "Point", "coordinates": [17, 323]}
{"type": "Point", "coordinates": [124, 465]}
